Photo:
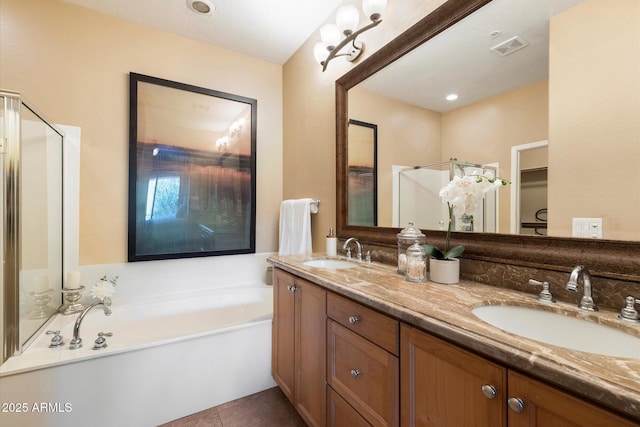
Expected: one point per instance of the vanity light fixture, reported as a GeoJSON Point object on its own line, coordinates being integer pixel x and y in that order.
{"type": "Point", "coordinates": [222, 144]}
{"type": "Point", "coordinates": [236, 127]}
{"type": "Point", "coordinates": [347, 19]}
{"type": "Point", "coordinates": [202, 7]}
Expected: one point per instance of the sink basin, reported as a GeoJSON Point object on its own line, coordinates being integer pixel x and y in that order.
{"type": "Point", "coordinates": [330, 263]}
{"type": "Point", "coordinates": [561, 330]}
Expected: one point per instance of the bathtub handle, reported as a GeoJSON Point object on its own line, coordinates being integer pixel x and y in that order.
{"type": "Point", "coordinates": [353, 319]}
{"type": "Point", "coordinates": [57, 340]}
{"type": "Point", "coordinates": [101, 341]}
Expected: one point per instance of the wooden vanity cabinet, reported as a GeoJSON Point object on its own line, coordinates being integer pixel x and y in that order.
{"type": "Point", "coordinates": [546, 406]}
{"type": "Point", "coordinates": [444, 386]}
{"type": "Point", "coordinates": [299, 338]}
{"type": "Point", "coordinates": [341, 363]}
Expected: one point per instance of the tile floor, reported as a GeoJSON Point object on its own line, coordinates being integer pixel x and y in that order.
{"type": "Point", "coordinates": [269, 408]}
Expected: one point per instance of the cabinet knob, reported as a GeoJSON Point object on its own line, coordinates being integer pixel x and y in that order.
{"type": "Point", "coordinates": [353, 319]}
{"type": "Point", "coordinates": [489, 391]}
{"type": "Point", "coordinates": [355, 373]}
{"type": "Point", "coordinates": [516, 404]}
{"type": "Point", "coordinates": [292, 288]}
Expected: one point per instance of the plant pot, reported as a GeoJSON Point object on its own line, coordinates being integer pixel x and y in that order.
{"type": "Point", "coordinates": [446, 271]}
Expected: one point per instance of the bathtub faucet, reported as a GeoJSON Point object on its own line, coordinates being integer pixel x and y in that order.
{"type": "Point", "coordinates": [76, 342]}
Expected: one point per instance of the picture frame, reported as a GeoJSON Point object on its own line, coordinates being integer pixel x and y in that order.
{"type": "Point", "coordinates": [192, 171]}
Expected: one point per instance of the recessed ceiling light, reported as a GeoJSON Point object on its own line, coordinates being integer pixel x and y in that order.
{"type": "Point", "coordinates": [452, 97]}
{"type": "Point", "coordinates": [202, 7]}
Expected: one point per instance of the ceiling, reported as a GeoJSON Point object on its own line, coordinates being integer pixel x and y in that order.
{"type": "Point", "coordinates": [460, 60]}
{"type": "Point", "coordinates": [267, 29]}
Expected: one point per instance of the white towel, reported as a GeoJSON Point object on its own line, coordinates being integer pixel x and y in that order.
{"type": "Point", "coordinates": [295, 227]}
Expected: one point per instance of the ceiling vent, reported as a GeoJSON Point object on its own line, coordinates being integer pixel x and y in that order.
{"type": "Point", "coordinates": [508, 47]}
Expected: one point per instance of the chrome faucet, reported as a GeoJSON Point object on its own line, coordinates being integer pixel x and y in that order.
{"type": "Point", "coordinates": [345, 247]}
{"type": "Point", "coordinates": [586, 302]}
{"type": "Point", "coordinates": [76, 342]}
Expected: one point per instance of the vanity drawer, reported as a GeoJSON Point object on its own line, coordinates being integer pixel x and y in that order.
{"type": "Point", "coordinates": [376, 327]}
{"type": "Point", "coordinates": [340, 413]}
{"type": "Point", "coordinates": [365, 375]}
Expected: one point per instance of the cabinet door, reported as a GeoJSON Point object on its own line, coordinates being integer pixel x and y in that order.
{"type": "Point", "coordinates": [282, 352]}
{"type": "Point", "coordinates": [545, 406]}
{"type": "Point", "coordinates": [442, 385]}
{"type": "Point", "coordinates": [310, 352]}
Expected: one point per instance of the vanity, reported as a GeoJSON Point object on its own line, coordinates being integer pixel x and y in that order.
{"type": "Point", "coordinates": [362, 346]}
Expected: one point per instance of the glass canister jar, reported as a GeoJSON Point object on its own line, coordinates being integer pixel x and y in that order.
{"type": "Point", "coordinates": [406, 238]}
{"type": "Point", "coordinates": [416, 263]}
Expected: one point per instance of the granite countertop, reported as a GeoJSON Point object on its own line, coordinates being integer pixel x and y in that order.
{"type": "Point", "coordinates": [445, 311]}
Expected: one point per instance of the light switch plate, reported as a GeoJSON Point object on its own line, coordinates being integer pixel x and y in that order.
{"type": "Point", "coordinates": [590, 228]}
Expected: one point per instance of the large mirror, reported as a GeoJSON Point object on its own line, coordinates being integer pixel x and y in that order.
{"type": "Point", "coordinates": [558, 114]}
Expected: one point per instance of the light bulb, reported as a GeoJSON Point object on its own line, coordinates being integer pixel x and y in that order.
{"type": "Point", "coordinates": [347, 19]}
{"type": "Point", "coordinates": [374, 8]}
{"type": "Point", "coordinates": [330, 36]}
{"type": "Point", "coordinates": [320, 52]}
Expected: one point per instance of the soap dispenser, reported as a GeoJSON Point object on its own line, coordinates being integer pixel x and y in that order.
{"type": "Point", "coordinates": [332, 243]}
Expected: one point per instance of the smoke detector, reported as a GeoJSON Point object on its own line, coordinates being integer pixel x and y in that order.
{"type": "Point", "coordinates": [508, 47]}
{"type": "Point", "coordinates": [201, 7]}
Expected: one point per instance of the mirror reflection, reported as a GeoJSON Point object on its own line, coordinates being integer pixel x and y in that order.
{"type": "Point", "coordinates": [548, 93]}
{"type": "Point", "coordinates": [362, 173]}
{"type": "Point", "coordinates": [40, 223]}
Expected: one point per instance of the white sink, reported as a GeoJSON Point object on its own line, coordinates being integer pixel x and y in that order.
{"type": "Point", "coordinates": [330, 263]}
{"type": "Point", "coordinates": [561, 330]}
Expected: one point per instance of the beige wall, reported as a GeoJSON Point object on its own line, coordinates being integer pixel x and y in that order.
{"type": "Point", "coordinates": [589, 122]}
{"type": "Point", "coordinates": [73, 64]}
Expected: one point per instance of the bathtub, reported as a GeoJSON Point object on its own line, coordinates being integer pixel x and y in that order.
{"type": "Point", "coordinates": [167, 358]}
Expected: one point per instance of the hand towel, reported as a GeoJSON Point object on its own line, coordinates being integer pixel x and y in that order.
{"type": "Point", "coordinates": [295, 227]}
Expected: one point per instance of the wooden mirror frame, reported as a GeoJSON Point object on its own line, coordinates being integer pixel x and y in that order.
{"type": "Point", "coordinates": [604, 258]}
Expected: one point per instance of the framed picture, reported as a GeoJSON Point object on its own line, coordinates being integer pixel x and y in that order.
{"type": "Point", "coordinates": [192, 171]}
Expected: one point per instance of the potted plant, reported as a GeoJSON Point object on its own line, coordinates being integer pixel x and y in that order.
{"type": "Point", "coordinates": [461, 194]}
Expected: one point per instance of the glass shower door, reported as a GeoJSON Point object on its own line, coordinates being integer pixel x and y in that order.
{"type": "Point", "coordinates": [31, 249]}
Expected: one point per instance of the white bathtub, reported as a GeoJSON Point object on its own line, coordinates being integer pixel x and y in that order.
{"type": "Point", "coordinates": [166, 359]}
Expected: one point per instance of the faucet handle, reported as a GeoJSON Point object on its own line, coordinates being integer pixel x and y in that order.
{"type": "Point", "coordinates": [56, 341]}
{"type": "Point", "coordinates": [545, 294]}
{"type": "Point", "coordinates": [101, 341]}
{"type": "Point", "coordinates": [629, 312]}
{"type": "Point", "coordinates": [348, 253]}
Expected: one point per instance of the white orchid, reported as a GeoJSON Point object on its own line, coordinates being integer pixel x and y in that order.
{"type": "Point", "coordinates": [463, 194]}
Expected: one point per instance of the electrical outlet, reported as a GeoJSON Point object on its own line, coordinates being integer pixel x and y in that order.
{"type": "Point", "coordinates": [590, 228]}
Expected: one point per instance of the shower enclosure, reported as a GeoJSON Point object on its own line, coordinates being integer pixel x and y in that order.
{"type": "Point", "coordinates": [31, 272]}
{"type": "Point", "coordinates": [417, 197]}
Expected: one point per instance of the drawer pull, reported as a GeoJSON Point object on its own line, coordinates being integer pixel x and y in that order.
{"type": "Point", "coordinates": [489, 391]}
{"type": "Point", "coordinates": [355, 373]}
{"type": "Point", "coordinates": [353, 319]}
{"type": "Point", "coordinates": [516, 404]}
